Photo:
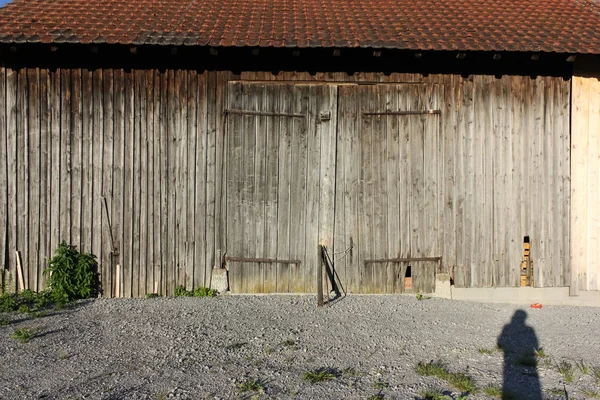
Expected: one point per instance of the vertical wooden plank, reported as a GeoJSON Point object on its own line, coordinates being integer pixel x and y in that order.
{"type": "Point", "coordinates": [190, 174]}
{"type": "Point", "coordinates": [258, 198]}
{"type": "Point", "coordinates": [313, 257]}
{"type": "Point", "coordinates": [563, 142]}
{"type": "Point", "coordinates": [550, 191]}
{"type": "Point", "coordinates": [327, 134]}
{"type": "Point", "coordinates": [111, 170]}
{"type": "Point", "coordinates": [87, 163]}
{"type": "Point", "coordinates": [32, 178]}
{"type": "Point", "coordinates": [174, 87]}
{"type": "Point", "coordinates": [4, 159]}
{"type": "Point", "coordinates": [404, 181]}
{"type": "Point", "coordinates": [202, 270]}
{"type": "Point", "coordinates": [164, 182]}
{"type": "Point", "coordinates": [351, 149]}
{"type": "Point", "coordinates": [11, 127]}
{"type": "Point", "coordinates": [449, 172]}
{"type": "Point", "coordinates": [251, 282]}
{"type": "Point", "coordinates": [211, 167]}
{"type": "Point", "coordinates": [98, 214]}
{"type": "Point", "coordinates": [498, 189]}
{"type": "Point", "coordinates": [76, 157]}
{"type": "Point", "coordinates": [234, 141]}
{"type": "Point", "coordinates": [298, 188]}
{"type": "Point", "coordinates": [220, 162]}
{"type": "Point", "coordinates": [394, 278]}
{"type": "Point", "coordinates": [179, 135]}
{"type": "Point", "coordinates": [23, 159]}
{"type": "Point", "coordinates": [271, 102]}
{"type": "Point", "coordinates": [578, 211]}
{"type": "Point", "coordinates": [538, 245]}
{"type": "Point", "coordinates": [515, 251]}
{"type": "Point", "coordinates": [55, 153]}
{"type": "Point", "coordinates": [45, 129]}
{"type": "Point", "coordinates": [469, 239]}
{"type": "Point", "coordinates": [149, 183]}
{"type": "Point", "coordinates": [342, 136]}
{"type": "Point", "coordinates": [128, 183]}
{"type": "Point", "coordinates": [139, 146]}
{"type": "Point", "coordinates": [283, 198]}
{"type": "Point", "coordinates": [65, 154]}
{"type": "Point", "coordinates": [379, 165]}
{"type": "Point", "coordinates": [478, 242]}
{"type": "Point", "coordinates": [365, 185]}
{"type": "Point", "coordinates": [157, 161]}
{"type": "Point", "coordinates": [593, 186]}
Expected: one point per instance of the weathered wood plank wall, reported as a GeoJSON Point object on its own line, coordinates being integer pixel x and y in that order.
{"type": "Point", "coordinates": [585, 185]}
{"type": "Point", "coordinates": [504, 172]}
{"type": "Point", "coordinates": [154, 146]}
{"type": "Point", "coordinates": [120, 164]}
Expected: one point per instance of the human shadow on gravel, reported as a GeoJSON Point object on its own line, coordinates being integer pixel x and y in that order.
{"type": "Point", "coordinates": [519, 343]}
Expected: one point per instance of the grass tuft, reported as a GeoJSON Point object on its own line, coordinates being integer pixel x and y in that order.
{"type": "Point", "coordinates": [596, 373]}
{"type": "Point", "coordinates": [493, 391]}
{"type": "Point", "coordinates": [320, 375]}
{"type": "Point", "coordinates": [433, 394]}
{"type": "Point", "coordinates": [288, 343]}
{"type": "Point", "coordinates": [485, 351]}
{"type": "Point", "coordinates": [540, 353]}
{"type": "Point", "coordinates": [583, 367]}
{"type": "Point", "coordinates": [591, 394]}
{"type": "Point", "coordinates": [433, 368]}
{"type": "Point", "coordinates": [376, 396]}
{"type": "Point", "coordinates": [459, 380]}
{"type": "Point", "coordinates": [566, 370]}
{"type": "Point", "coordinates": [4, 321]}
{"type": "Point", "coordinates": [252, 385]}
{"type": "Point", "coordinates": [380, 384]}
{"type": "Point", "coordinates": [556, 391]}
{"type": "Point", "coordinates": [24, 335]}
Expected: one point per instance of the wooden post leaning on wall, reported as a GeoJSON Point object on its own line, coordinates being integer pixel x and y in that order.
{"type": "Point", "coordinates": [320, 277]}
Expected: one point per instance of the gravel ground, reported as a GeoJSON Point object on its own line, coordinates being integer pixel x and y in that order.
{"type": "Point", "coordinates": [194, 348]}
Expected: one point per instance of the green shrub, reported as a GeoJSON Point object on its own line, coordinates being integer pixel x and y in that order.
{"type": "Point", "coordinates": [9, 302]}
{"type": "Point", "coordinates": [204, 292]}
{"type": "Point", "coordinates": [180, 291]}
{"type": "Point", "coordinates": [72, 275]}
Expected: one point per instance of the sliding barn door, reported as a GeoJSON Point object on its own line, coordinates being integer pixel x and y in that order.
{"type": "Point", "coordinates": [387, 190]}
{"type": "Point", "coordinates": [280, 171]}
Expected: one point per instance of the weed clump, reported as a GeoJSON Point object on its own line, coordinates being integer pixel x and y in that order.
{"type": "Point", "coordinates": [459, 380]}
{"type": "Point", "coordinates": [433, 394]}
{"type": "Point", "coordinates": [320, 375]}
{"type": "Point", "coordinates": [24, 335]}
{"type": "Point", "coordinates": [252, 385]}
{"type": "Point", "coordinates": [72, 275]}
{"type": "Point", "coordinates": [181, 291]}
{"type": "Point", "coordinates": [566, 370]}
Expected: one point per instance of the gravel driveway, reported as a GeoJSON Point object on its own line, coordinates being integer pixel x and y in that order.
{"type": "Point", "coordinates": [233, 347]}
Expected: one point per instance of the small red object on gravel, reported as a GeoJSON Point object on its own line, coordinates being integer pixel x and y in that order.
{"type": "Point", "coordinates": [536, 305]}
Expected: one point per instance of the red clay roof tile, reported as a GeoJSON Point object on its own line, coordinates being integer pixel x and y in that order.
{"type": "Point", "coordinates": [569, 26]}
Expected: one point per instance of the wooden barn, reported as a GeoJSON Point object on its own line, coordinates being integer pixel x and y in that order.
{"type": "Point", "coordinates": [174, 138]}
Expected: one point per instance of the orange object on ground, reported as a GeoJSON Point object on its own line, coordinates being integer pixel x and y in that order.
{"type": "Point", "coordinates": [536, 305]}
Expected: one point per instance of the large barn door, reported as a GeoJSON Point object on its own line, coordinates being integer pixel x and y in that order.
{"type": "Point", "coordinates": [280, 184]}
{"type": "Point", "coordinates": [387, 188]}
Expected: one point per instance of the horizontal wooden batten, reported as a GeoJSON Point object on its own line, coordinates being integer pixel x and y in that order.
{"type": "Point", "coordinates": [265, 114]}
{"type": "Point", "coordinates": [261, 260]}
{"type": "Point", "coordinates": [403, 260]}
{"type": "Point", "coordinates": [426, 112]}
